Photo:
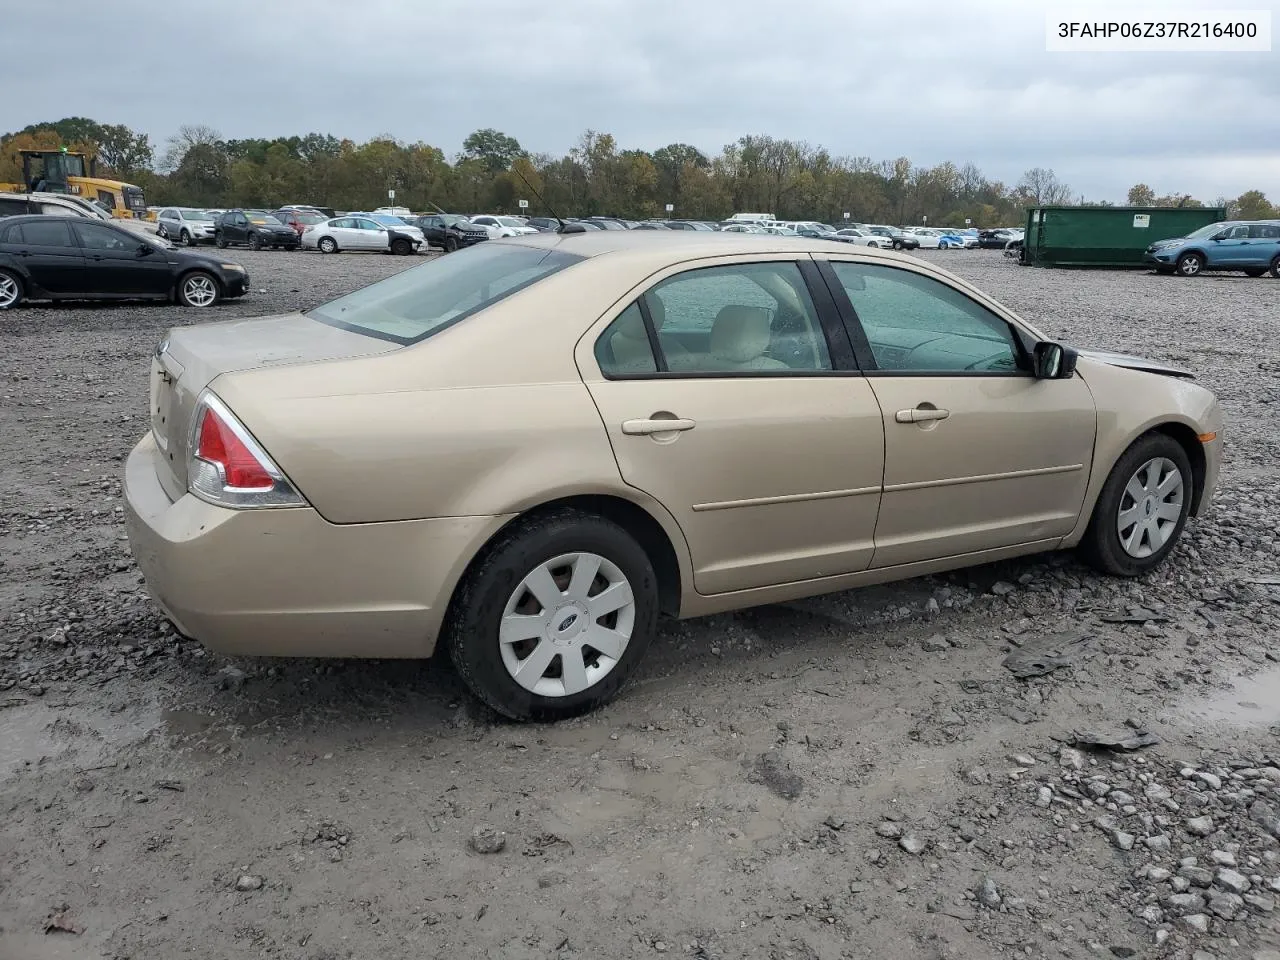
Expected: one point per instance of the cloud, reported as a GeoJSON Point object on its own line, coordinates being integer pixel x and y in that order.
{"type": "Point", "coordinates": [930, 80]}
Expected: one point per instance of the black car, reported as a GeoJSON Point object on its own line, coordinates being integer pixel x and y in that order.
{"type": "Point", "coordinates": [66, 258]}
{"type": "Point", "coordinates": [543, 224]}
{"type": "Point", "coordinates": [255, 228]}
{"type": "Point", "coordinates": [452, 231]}
{"type": "Point", "coordinates": [994, 239]}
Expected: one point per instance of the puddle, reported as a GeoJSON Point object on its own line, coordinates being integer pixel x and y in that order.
{"type": "Point", "coordinates": [37, 732]}
{"type": "Point", "coordinates": [1252, 701]}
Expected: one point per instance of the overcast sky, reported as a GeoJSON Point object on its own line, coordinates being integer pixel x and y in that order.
{"type": "Point", "coordinates": [933, 80]}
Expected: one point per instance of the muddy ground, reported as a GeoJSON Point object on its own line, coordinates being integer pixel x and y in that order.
{"type": "Point", "coordinates": [852, 776]}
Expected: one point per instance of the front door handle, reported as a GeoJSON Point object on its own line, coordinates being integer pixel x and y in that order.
{"type": "Point", "coordinates": [640, 428]}
{"type": "Point", "coordinates": [920, 415]}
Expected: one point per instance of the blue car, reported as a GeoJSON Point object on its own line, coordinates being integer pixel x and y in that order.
{"type": "Point", "coordinates": [1251, 246]}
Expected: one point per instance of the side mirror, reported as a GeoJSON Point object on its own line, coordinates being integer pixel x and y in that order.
{"type": "Point", "coordinates": [1053, 361]}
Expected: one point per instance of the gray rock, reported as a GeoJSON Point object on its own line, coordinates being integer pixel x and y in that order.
{"type": "Point", "coordinates": [246, 883]}
{"type": "Point", "coordinates": [1180, 884]}
{"type": "Point", "coordinates": [889, 830]}
{"type": "Point", "coordinates": [987, 893]}
{"type": "Point", "coordinates": [1208, 779]}
{"type": "Point", "coordinates": [1158, 874]}
{"type": "Point", "coordinates": [1071, 759]}
{"type": "Point", "coordinates": [1231, 880]}
{"type": "Point", "coordinates": [1266, 955]}
{"type": "Point", "coordinates": [913, 845]}
{"type": "Point", "coordinates": [1264, 815]}
{"type": "Point", "coordinates": [1200, 876]}
{"type": "Point", "coordinates": [1274, 884]}
{"type": "Point", "coordinates": [1158, 844]}
{"type": "Point", "coordinates": [1097, 789]}
{"type": "Point", "coordinates": [1185, 902]}
{"type": "Point", "coordinates": [1222, 858]}
{"type": "Point", "coordinates": [934, 645]}
{"type": "Point", "coordinates": [1124, 841]}
{"type": "Point", "coordinates": [1226, 905]}
{"type": "Point", "coordinates": [230, 678]}
{"type": "Point", "coordinates": [1023, 760]}
{"type": "Point", "coordinates": [487, 840]}
{"type": "Point", "coordinates": [1261, 904]}
{"type": "Point", "coordinates": [1200, 826]}
{"type": "Point", "coordinates": [1044, 797]}
{"type": "Point", "coordinates": [1120, 798]}
{"type": "Point", "coordinates": [1196, 922]}
{"type": "Point", "coordinates": [1002, 588]}
{"type": "Point", "coordinates": [1151, 915]}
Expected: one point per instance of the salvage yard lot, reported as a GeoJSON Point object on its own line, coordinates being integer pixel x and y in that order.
{"type": "Point", "coordinates": [850, 776]}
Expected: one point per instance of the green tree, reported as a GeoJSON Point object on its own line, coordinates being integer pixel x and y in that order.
{"type": "Point", "coordinates": [493, 148]}
{"type": "Point", "coordinates": [1253, 205]}
{"type": "Point", "coordinates": [1140, 195]}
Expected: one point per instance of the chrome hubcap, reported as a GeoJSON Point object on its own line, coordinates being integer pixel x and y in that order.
{"type": "Point", "coordinates": [199, 291]}
{"type": "Point", "coordinates": [1150, 508]}
{"type": "Point", "coordinates": [567, 624]}
{"type": "Point", "coordinates": [8, 291]}
{"type": "Point", "coordinates": [1191, 266]}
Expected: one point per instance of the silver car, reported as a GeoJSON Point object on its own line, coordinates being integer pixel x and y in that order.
{"type": "Point", "coordinates": [185, 226]}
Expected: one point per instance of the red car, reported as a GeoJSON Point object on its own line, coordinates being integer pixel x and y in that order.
{"type": "Point", "coordinates": [298, 219]}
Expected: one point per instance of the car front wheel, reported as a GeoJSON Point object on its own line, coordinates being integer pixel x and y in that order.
{"type": "Point", "coordinates": [1142, 509]}
{"type": "Point", "coordinates": [220, 241]}
{"type": "Point", "coordinates": [198, 289]}
{"type": "Point", "coordinates": [554, 616]}
{"type": "Point", "coordinates": [254, 241]}
{"type": "Point", "coordinates": [10, 290]}
{"type": "Point", "coordinates": [1190, 265]}
{"type": "Point", "coordinates": [1275, 267]}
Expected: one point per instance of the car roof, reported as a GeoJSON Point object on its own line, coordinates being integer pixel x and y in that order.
{"type": "Point", "coordinates": [45, 218]}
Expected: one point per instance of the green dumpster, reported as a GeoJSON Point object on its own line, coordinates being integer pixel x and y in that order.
{"type": "Point", "coordinates": [1106, 236]}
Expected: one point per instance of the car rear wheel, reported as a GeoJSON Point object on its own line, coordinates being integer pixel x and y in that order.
{"type": "Point", "coordinates": [220, 241]}
{"type": "Point", "coordinates": [254, 242]}
{"type": "Point", "coordinates": [328, 245]}
{"type": "Point", "coordinates": [1275, 267]}
{"type": "Point", "coordinates": [185, 239]}
{"type": "Point", "coordinates": [450, 244]}
{"type": "Point", "coordinates": [401, 247]}
{"type": "Point", "coordinates": [10, 290]}
{"type": "Point", "coordinates": [1142, 509]}
{"type": "Point", "coordinates": [554, 616]}
{"type": "Point", "coordinates": [198, 289]}
{"type": "Point", "coordinates": [897, 244]}
{"type": "Point", "coordinates": [1190, 265]}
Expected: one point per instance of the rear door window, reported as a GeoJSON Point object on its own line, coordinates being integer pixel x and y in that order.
{"type": "Point", "coordinates": [48, 233]}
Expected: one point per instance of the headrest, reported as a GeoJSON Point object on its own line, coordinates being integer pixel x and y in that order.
{"type": "Point", "coordinates": [740, 333]}
{"type": "Point", "coordinates": [657, 310]}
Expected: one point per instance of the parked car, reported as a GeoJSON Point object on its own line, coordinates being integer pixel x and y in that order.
{"type": "Point", "coordinates": [899, 239]}
{"type": "Point", "coordinates": [299, 220]}
{"type": "Point", "coordinates": [743, 226]}
{"type": "Point", "coordinates": [361, 233]}
{"type": "Point", "coordinates": [687, 225]}
{"type": "Point", "coordinates": [994, 239]}
{"type": "Point", "coordinates": [397, 224]}
{"type": "Point", "coordinates": [543, 224]}
{"type": "Point", "coordinates": [1251, 246]}
{"type": "Point", "coordinates": [67, 205]}
{"type": "Point", "coordinates": [186, 225]}
{"type": "Point", "coordinates": [609, 223]}
{"type": "Point", "coordinates": [499, 226]}
{"type": "Point", "coordinates": [256, 228]}
{"type": "Point", "coordinates": [512, 498]}
{"type": "Point", "coordinates": [78, 258]}
{"type": "Point", "coordinates": [926, 238]}
{"type": "Point", "coordinates": [951, 240]}
{"type": "Point", "coordinates": [862, 239]}
{"type": "Point", "coordinates": [650, 225]}
{"type": "Point", "coordinates": [450, 231]}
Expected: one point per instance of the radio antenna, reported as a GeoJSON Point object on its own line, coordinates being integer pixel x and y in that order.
{"type": "Point", "coordinates": [564, 227]}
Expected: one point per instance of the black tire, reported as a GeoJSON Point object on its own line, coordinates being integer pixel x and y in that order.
{"type": "Point", "coordinates": [401, 247]}
{"type": "Point", "coordinates": [1190, 264]}
{"type": "Point", "coordinates": [220, 241]}
{"type": "Point", "coordinates": [186, 240]}
{"type": "Point", "coordinates": [1101, 546]}
{"type": "Point", "coordinates": [327, 245]}
{"type": "Point", "coordinates": [186, 297]}
{"type": "Point", "coordinates": [1275, 267]}
{"type": "Point", "coordinates": [255, 242]}
{"type": "Point", "coordinates": [11, 290]}
{"type": "Point", "coordinates": [897, 244]}
{"type": "Point", "coordinates": [450, 244]}
{"type": "Point", "coordinates": [475, 614]}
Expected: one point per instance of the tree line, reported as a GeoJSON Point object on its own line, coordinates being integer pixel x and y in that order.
{"type": "Point", "coordinates": [794, 180]}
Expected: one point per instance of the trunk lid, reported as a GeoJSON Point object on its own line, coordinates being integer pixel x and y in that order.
{"type": "Point", "coordinates": [188, 359]}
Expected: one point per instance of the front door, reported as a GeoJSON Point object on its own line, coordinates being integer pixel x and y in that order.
{"type": "Point", "coordinates": [1232, 249]}
{"type": "Point", "coordinates": [50, 254]}
{"type": "Point", "coordinates": [979, 454]}
{"type": "Point", "coordinates": [371, 235]}
{"type": "Point", "coordinates": [768, 455]}
{"type": "Point", "coordinates": [115, 264]}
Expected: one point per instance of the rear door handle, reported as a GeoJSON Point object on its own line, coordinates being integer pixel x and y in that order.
{"type": "Point", "coordinates": [640, 428]}
{"type": "Point", "coordinates": [920, 415]}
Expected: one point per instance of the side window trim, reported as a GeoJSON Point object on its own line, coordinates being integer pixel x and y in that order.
{"type": "Point", "coordinates": [651, 332]}
{"type": "Point", "coordinates": [859, 335]}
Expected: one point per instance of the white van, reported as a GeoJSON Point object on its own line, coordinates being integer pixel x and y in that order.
{"type": "Point", "coordinates": [749, 217]}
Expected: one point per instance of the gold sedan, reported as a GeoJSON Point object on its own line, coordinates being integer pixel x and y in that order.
{"type": "Point", "coordinates": [530, 450]}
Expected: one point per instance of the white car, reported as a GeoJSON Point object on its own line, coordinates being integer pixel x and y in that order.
{"type": "Point", "coordinates": [862, 238]}
{"type": "Point", "coordinates": [928, 238]}
{"type": "Point", "coordinates": [499, 226]}
{"type": "Point", "coordinates": [358, 232]}
{"type": "Point", "coordinates": [183, 225]}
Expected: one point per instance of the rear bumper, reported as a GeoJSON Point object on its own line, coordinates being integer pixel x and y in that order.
{"type": "Point", "coordinates": [289, 583]}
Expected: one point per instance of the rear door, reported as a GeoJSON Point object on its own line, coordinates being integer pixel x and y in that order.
{"type": "Point", "coordinates": [979, 454]}
{"type": "Point", "coordinates": [116, 264]}
{"type": "Point", "coordinates": [50, 255]}
{"type": "Point", "coordinates": [1264, 244]}
{"type": "Point", "coordinates": [728, 392]}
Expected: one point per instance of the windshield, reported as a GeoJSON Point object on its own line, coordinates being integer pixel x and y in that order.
{"type": "Point", "coordinates": [1204, 232]}
{"type": "Point", "coordinates": [511, 222]}
{"type": "Point", "coordinates": [255, 217]}
{"type": "Point", "coordinates": [195, 215]}
{"type": "Point", "coordinates": [413, 305]}
{"type": "Point", "coordinates": [308, 218]}
{"type": "Point", "coordinates": [387, 220]}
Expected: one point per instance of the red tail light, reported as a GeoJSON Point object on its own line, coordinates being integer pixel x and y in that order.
{"type": "Point", "coordinates": [220, 446]}
{"type": "Point", "coordinates": [228, 467]}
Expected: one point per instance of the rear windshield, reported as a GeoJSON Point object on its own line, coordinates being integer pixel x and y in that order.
{"type": "Point", "coordinates": [413, 305]}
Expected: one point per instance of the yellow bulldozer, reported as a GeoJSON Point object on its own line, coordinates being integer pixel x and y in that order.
{"type": "Point", "coordinates": [69, 171]}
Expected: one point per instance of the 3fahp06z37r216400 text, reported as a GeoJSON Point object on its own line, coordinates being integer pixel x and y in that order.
{"type": "Point", "coordinates": [1158, 30]}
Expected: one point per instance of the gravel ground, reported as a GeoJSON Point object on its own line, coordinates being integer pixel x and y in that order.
{"type": "Point", "coordinates": [852, 776]}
